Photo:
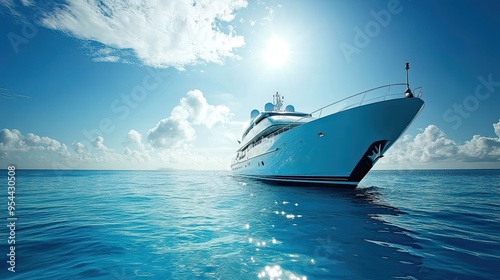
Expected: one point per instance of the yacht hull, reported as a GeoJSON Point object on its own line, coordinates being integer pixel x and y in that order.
{"type": "Point", "coordinates": [337, 150]}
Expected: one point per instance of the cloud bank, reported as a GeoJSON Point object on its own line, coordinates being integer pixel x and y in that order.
{"type": "Point", "coordinates": [170, 143]}
{"type": "Point", "coordinates": [12, 141]}
{"type": "Point", "coordinates": [432, 145]}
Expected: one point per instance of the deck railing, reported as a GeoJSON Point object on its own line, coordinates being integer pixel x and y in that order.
{"type": "Point", "coordinates": [365, 99]}
{"type": "Point", "coordinates": [363, 95]}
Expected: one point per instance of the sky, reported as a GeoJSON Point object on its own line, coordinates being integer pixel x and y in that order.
{"type": "Point", "coordinates": [170, 84]}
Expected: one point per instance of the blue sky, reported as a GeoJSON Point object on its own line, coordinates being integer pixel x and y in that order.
{"type": "Point", "coordinates": [149, 84]}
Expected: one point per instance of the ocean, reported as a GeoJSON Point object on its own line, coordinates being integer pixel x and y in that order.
{"type": "Point", "coordinates": [426, 224]}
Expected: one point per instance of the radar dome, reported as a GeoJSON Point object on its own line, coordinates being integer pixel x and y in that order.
{"type": "Point", "coordinates": [254, 113]}
{"type": "Point", "coordinates": [290, 108]}
{"type": "Point", "coordinates": [269, 107]}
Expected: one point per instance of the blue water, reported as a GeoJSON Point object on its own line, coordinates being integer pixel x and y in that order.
{"type": "Point", "coordinates": [209, 225]}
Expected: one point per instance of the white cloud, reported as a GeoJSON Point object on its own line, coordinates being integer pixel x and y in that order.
{"type": "Point", "coordinates": [98, 143]}
{"type": "Point", "coordinates": [133, 137]}
{"type": "Point", "coordinates": [170, 132]}
{"type": "Point", "coordinates": [79, 147]}
{"type": "Point", "coordinates": [27, 3]}
{"type": "Point", "coordinates": [136, 155]}
{"type": "Point", "coordinates": [160, 33]}
{"type": "Point", "coordinates": [99, 153]}
{"type": "Point", "coordinates": [110, 58]}
{"type": "Point", "coordinates": [8, 94]}
{"type": "Point", "coordinates": [201, 112]}
{"type": "Point", "coordinates": [18, 8]}
{"type": "Point", "coordinates": [106, 54]}
{"type": "Point", "coordinates": [192, 110]}
{"type": "Point", "coordinates": [135, 150]}
{"type": "Point", "coordinates": [82, 153]}
{"type": "Point", "coordinates": [269, 17]}
{"type": "Point", "coordinates": [481, 148]}
{"type": "Point", "coordinates": [14, 141]}
{"type": "Point", "coordinates": [10, 138]}
{"type": "Point", "coordinates": [10, 5]}
{"type": "Point", "coordinates": [432, 146]}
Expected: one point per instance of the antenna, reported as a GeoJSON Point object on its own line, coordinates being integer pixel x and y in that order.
{"type": "Point", "coordinates": [278, 101]}
{"type": "Point", "coordinates": [408, 90]}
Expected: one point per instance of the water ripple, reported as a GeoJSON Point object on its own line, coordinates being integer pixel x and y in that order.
{"type": "Point", "coordinates": [204, 225]}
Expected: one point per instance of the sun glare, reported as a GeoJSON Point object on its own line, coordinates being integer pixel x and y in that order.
{"type": "Point", "coordinates": [276, 53]}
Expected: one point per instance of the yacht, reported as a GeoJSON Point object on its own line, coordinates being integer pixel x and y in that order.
{"type": "Point", "coordinates": [336, 145]}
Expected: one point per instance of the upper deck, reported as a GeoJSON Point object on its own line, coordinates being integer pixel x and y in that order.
{"type": "Point", "coordinates": [273, 120]}
{"type": "Point", "coordinates": [277, 117]}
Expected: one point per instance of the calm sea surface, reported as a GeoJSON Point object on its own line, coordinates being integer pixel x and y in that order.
{"type": "Point", "coordinates": [209, 225]}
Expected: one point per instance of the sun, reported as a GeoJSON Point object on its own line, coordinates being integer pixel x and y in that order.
{"type": "Point", "coordinates": [276, 53]}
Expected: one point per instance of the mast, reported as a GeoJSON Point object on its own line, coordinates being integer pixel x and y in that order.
{"type": "Point", "coordinates": [408, 92]}
{"type": "Point", "coordinates": [278, 101]}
